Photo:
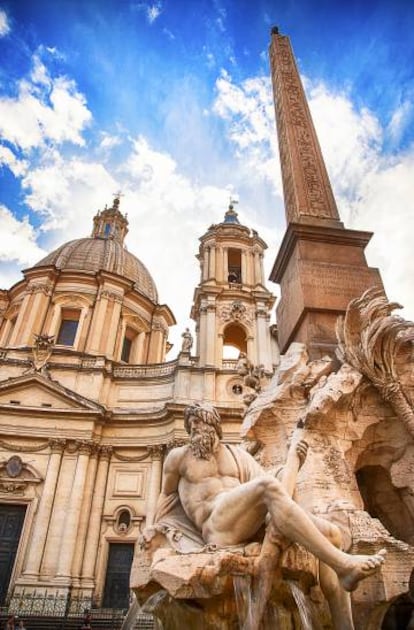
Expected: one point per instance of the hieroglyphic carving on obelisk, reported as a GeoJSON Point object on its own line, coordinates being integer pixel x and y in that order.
{"type": "Point", "coordinates": [307, 190]}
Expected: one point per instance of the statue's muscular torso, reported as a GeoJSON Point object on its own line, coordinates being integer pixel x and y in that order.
{"type": "Point", "coordinates": [200, 481]}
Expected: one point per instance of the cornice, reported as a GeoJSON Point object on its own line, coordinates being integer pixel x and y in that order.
{"type": "Point", "coordinates": [296, 232]}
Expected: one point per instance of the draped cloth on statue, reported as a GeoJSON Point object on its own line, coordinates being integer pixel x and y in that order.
{"type": "Point", "coordinates": [173, 522]}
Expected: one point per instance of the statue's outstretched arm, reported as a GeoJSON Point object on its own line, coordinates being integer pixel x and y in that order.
{"type": "Point", "coordinates": [295, 458]}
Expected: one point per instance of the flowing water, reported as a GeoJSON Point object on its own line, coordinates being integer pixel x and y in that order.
{"type": "Point", "coordinates": [302, 604]}
{"type": "Point", "coordinates": [242, 585]}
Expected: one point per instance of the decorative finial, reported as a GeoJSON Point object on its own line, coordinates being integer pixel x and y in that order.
{"type": "Point", "coordinates": [232, 201]}
{"type": "Point", "coordinates": [274, 30]}
{"type": "Point", "coordinates": [231, 214]}
{"type": "Point", "coordinates": [117, 198]}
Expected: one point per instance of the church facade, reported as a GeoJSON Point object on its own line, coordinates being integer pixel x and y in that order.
{"type": "Point", "coordinates": [89, 404]}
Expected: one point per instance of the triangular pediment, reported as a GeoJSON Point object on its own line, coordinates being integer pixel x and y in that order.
{"type": "Point", "coordinates": [37, 391]}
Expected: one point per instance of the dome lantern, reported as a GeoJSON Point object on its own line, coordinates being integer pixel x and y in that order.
{"type": "Point", "coordinates": [110, 223]}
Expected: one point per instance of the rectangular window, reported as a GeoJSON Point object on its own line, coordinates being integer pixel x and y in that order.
{"type": "Point", "coordinates": [127, 345]}
{"type": "Point", "coordinates": [68, 327]}
{"type": "Point", "coordinates": [126, 349]}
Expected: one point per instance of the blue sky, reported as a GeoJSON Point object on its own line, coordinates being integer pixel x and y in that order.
{"type": "Point", "coordinates": [170, 102]}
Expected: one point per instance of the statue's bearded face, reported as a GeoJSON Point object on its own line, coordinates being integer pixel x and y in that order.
{"type": "Point", "coordinates": [202, 438]}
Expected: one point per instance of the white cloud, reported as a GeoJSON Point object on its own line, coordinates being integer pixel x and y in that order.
{"type": "Point", "coordinates": [17, 166]}
{"type": "Point", "coordinates": [4, 23]}
{"type": "Point", "coordinates": [45, 110]}
{"type": "Point", "coordinates": [67, 192]}
{"type": "Point", "coordinates": [399, 121]}
{"type": "Point", "coordinates": [248, 110]}
{"type": "Point", "coordinates": [17, 239]}
{"type": "Point", "coordinates": [109, 141]}
{"type": "Point", "coordinates": [154, 11]}
{"type": "Point", "coordinates": [39, 73]}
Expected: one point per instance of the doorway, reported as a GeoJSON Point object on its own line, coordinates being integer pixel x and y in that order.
{"type": "Point", "coordinates": [116, 593]}
{"type": "Point", "coordinates": [11, 523]}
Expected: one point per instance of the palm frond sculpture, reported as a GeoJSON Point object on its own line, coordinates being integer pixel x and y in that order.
{"type": "Point", "coordinates": [369, 338]}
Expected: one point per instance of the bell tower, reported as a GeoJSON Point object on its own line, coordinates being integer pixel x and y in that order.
{"type": "Point", "coordinates": [231, 304]}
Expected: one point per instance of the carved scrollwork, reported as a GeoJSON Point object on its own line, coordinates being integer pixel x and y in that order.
{"type": "Point", "coordinates": [156, 451]}
{"type": "Point", "coordinates": [112, 296]}
{"type": "Point", "coordinates": [236, 311]}
{"type": "Point", "coordinates": [39, 287]}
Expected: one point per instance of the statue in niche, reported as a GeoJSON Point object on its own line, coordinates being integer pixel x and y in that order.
{"type": "Point", "coordinates": [217, 496]}
{"type": "Point", "coordinates": [187, 343]}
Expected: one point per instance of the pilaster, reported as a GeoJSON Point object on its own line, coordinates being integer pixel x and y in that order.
{"type": "Point", "coordinates": [154, 487]}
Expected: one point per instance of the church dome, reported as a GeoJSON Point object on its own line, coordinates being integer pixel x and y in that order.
{"type": "Point", "coordinates": [104, 250]}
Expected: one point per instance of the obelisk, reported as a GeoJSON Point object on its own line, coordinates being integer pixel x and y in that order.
{"type": "Point", "coordinates": [320, 265]}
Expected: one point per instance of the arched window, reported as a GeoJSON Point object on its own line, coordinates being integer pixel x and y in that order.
{"type": "Point", "coordinates": [234, 341]}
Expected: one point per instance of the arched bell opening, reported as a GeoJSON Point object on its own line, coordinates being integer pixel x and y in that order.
{"type": "Point", "coordinates": [234, 341]}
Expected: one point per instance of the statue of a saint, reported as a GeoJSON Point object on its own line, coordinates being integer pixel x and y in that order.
{"type": "Point", "coordinates": [187, 343]}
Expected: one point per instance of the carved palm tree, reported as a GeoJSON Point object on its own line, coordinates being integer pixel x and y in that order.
{"type": "Point", "coordinates": [369, 339]}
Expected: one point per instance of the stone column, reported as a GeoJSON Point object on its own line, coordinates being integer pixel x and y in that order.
{"type": "Point", "coordinates": [263, 350]}
{"type": "Point", "coordinates": [95, 335]}
{"type": "Point", "coordinates": [85, 514]}
{"type": "Point", "coordinates": [6, 332]}
{"type": "Point", "coordinates": [32, 321]}
{"type": "Point", "coordinates": [251, 267]}
{"type": "Point", "coordinates": [116, 299]}
{"type": "Point", "coordinates": [243, 267]}
{"type": "Point", "coordinates": [219, 264]}
{"type": "Point", "coordinates": [212, 263]}
{"type": "Point", "coordinates": [205, 263]}
{"type": "Point", "coordinates": [262, 273]}
{"type": "Point", "coordinates": [70, 531]}
{"type": "Point", "coordinates": [219, 350]}
{"type": "Point", "coordinates": [139, 348]}
{"type": "Point", "coordinates": [59, 511]}
{"type": "Point", "coordinates": [156, 348]}
{"type": "Point", "coordinates": [211, 334]}
{"type": "Point", "coordinates": [154, 488]}
{"type": "Point", "coordinates": [94, 529]}
{"type": "Point", "coordinates": [226, 264]}
{"type": "Point", "coordinates": [257, 270]}
{"type": "Point", "coordinates": [21, 318]}
{"type": "Point", "coordinates": [44, 511]}
{"type": "Point", "coordinates": [203, 332]}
